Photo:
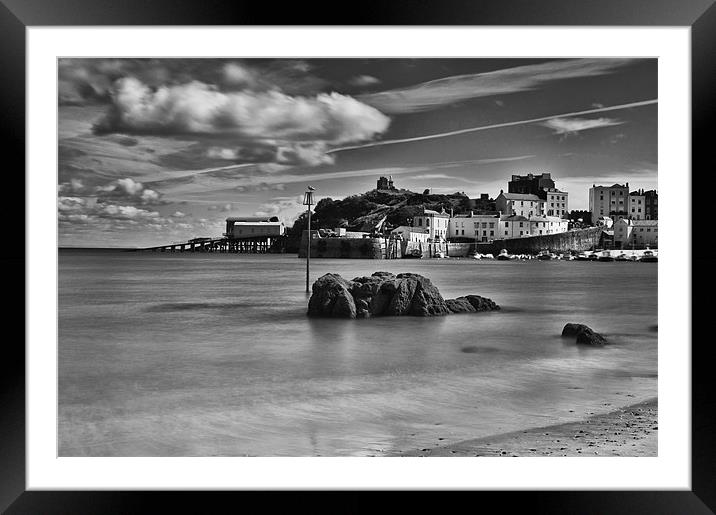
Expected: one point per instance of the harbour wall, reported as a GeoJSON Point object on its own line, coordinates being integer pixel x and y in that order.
{"type": "Point", "coordinates": [578, 240]}
{"type": "Point", "coordinates": [349, 248]}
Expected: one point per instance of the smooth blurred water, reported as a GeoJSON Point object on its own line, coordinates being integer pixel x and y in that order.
{"type": "Point", "coordinates": [212, 354]}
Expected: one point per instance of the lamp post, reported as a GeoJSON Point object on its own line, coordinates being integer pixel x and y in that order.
{"type": "Point", "coordinates": [308, 201]}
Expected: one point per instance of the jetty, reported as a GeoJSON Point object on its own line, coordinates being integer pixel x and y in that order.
{"type": "Point", "coordinates": [247, 245]}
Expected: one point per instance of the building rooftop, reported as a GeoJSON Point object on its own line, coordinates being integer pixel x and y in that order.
{"type": "Point", "coordinates": [433, 213]}
{"type": "Point", "coordinates": [612, 186]}
{"type": "Point", "coordinates": [522, 196]}
{"type": "Point", "coordinates": [252, 219]}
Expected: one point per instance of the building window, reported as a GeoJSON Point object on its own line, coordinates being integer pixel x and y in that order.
{"type": "Point", "coordinates": [492, 233]}
{"type": "Point", "coordinates": [492, 224]}
{"type": "Point", "coordinates": [420, 222]}
{"type": "Point", "coordinates": [484, 224]}
{"type": "Point", "coordinates": [463, 232]}
{"type": "Point", "coordinates": [520, 226]}
{"type": "Point", "coordinates": [507, 224]}
{"type": "Point", "coordinates": [521, 233]}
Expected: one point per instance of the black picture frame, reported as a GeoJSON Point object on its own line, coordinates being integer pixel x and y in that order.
{"type": "Point", "coordinates": [700, 15]}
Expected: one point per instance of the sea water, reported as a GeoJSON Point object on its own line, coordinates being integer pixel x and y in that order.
{"type": "Point", "coordinates": [193, 354]}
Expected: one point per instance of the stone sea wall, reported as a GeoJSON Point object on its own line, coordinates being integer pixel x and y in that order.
{"type": "Point", "coordinates": [350, 248]}
{"type": "Point", "coordinates": [579, 240]}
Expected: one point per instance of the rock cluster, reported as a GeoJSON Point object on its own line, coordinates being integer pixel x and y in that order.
{"type": "Point", "coordinates": [584, 334]}
{"type": "Point", "coordinates": [386, 294]}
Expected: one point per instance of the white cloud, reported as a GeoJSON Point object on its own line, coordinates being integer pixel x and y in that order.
{"type": "Point", "coordinates": [235, 74]}
{"type": "Point", "coordinates": [222, 207]}
{"type": "Point", "coordinates": [574, 125]}
{"type": "Point", "coordinates": [364, 80]}
{"type": "Point", "coordinates": [286, 208]}
{"type": "Point", "coordinates": [129, 190]}
{"type": "Point", "coordinates": [432, 176]}
{"type": "Point", "coordinates": [448, 90]}
{"type": "Point", "coordinates": [288, 154]}
{"type": "Point", "coordinates": [199, 108]}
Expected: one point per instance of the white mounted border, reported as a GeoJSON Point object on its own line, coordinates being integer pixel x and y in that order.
{"type": "Point", "coordinates": [670, 470]}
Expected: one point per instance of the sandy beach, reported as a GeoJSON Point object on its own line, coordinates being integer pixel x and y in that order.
{"type": "Point", "coordinates": [628, 431]}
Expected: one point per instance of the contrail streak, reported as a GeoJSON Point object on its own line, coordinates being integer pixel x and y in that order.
{"type": "Point", "coordinates": [163, 176]}
{"type": "Point", "coordinates": [495, 126]}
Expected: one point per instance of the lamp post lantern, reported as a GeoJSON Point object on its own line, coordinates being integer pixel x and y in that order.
{"type": "Point", "coordinates": [308, 201]}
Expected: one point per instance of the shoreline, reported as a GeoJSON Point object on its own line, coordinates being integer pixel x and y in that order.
{"type": "Point", "coordinates": [628, 431]}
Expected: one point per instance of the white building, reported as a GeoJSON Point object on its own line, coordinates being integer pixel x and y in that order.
{"type": "Point", "coordinates": [520, 204]}
{"type": "Point", "coordinates": [435, 223]}
{"type": "Point", "coordinates": [254, 227]}
{"type": "Point", "coordinates": [637, 206]}
{"type": "Point", "coordinates": [407, 233]}
{"type": "Point", "coordinates": [516, 226]}
{"type": "Point", "coordinates": [556, 203]}
{"type": "Point", "coordinates": [611, 201]}
{"type": "Point", "coordinates": [476, 227]}
{"type": "Point", "coordinates": [637, 233]}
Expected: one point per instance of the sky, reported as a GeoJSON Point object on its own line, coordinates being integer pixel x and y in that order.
{"type": "Point", "coordinates": [155, 151]}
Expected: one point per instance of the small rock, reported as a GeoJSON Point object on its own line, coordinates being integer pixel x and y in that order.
{"type": "Point", "coordinates": [584, 334]}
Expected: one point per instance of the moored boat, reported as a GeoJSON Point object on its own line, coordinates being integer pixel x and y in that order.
{"type": "Point", "coordinates": [648, 256]}
{"type": "Point", "coordinates": [622, 257]}
{"type": "Point", "coordinates": [415, 253]}
{"type": "Point", "coordinates": [582, 256]}
{"type": "Point", "coordinates": [605, 255]}
{"type": "Point", "coordinates": [504, 255]}
{"type": "Point", "coordinates": [544, 255]}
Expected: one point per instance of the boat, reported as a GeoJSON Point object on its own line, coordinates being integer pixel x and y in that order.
{"type": "Point", "coordinates": [544, 255]}
{"type": "Point", "coordinates": [438, 254]}
{"type": "Point", "coordinates": [605, 255]}
{"type": "Point", "coordinates": [415, 253]}
{"type": "Point", "coordinates": [504, 255]}
{"type": "Point", "coordinates": [648, 256]}
{"type": "Point", "coordinates": [622, 257]}
{"type": "Point", "coordinates": [593, 256]}
{"type": "Point", "coordinates": [476, 255]}
{"type": "Point", "coordinates": [582, 256]}
{"type": "Point", "coordinates": [488, 256]}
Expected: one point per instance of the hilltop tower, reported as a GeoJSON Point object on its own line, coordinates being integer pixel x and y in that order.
{"type": "Point", "coordinates": [386, 183]}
